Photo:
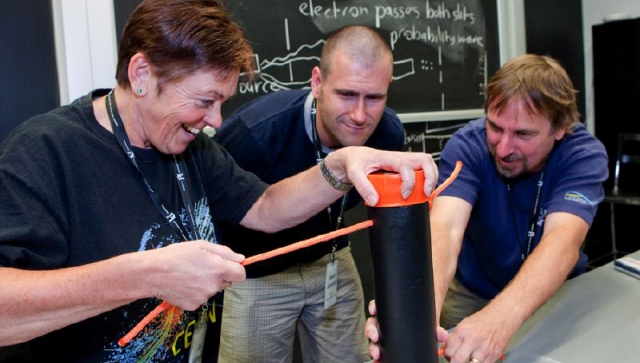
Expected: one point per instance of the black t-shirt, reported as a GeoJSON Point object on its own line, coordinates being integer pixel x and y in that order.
{"type": "Point", "coordinates": [70, 196]}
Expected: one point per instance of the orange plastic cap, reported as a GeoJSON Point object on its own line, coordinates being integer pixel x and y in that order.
{"type": "Point", "coordinates": [388, 184]}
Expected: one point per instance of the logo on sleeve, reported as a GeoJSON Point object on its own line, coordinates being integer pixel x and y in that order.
{"type": "Point", "coordinates": [578, 197]}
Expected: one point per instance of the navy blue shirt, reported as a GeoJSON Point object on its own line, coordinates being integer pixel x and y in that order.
{"type": "Point", "coordinates": [496, 234]}
{"type": "Point", "coordinates": [267, 136]}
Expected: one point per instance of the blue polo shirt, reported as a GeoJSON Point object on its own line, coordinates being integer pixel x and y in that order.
{"type": "Point", "coordinates": [496, 235]}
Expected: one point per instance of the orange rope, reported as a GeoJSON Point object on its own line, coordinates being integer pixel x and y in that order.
{"type": "Point", "coordinates": [144, 322]}
{"type": "Point", "coordinates": [286, 249]}
{"type": "Point", "coordinates": [247, 261]}
{"type": "Point", "coordinates": [306, 243]}
{"type": "Point", "coordinates": [445, 184]}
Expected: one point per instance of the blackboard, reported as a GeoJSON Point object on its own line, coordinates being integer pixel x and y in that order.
{"type": "Point", "coordinates": [444, 51]}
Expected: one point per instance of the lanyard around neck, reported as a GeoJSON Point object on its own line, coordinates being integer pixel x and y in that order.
{"type": "Point", "coordinates": [179, 169]}
{"type": "Point", "coordinates": [533, 219]}
{"type": "Point", "coordinates": [318, 150]}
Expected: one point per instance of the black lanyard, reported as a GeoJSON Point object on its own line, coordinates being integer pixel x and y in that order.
{"type": "Point", "coordinates": [533, 220]}
{"type": "Point", "coordinates": [318, 149]}
{"type": "Point", "coordinates": [171, 218]}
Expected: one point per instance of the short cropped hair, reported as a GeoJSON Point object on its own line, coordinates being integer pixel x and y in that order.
{"type": "Point", "coordinates": [181, 37]}
{"type": "Point", "coordinates": [542, 83]}
{"type": "Point", "coordinates": [360, 43]}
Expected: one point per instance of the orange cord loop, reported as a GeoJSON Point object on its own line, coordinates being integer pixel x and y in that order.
{"type": "Point", "coordinates": [445, 184]}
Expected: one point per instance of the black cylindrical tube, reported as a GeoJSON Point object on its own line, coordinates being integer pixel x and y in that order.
{"type": "Point", "coordinates": [401, 251]}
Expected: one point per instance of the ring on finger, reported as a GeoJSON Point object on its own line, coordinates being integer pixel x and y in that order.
{"type": "Point", "coordinates": [473, 360]}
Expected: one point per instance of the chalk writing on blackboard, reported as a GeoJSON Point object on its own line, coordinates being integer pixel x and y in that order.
{"type": "Point", "coordinates": [430, 136]}
{"type": "Point", "coordinates": [443, 50]}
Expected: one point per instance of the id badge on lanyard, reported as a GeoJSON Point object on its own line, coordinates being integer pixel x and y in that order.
{"type": "Point", "coordinates": [331, 276]}
{"type": "Point", "coordinates": [331, 284]}
{"type": "Point", "coordinates": [197, 340]}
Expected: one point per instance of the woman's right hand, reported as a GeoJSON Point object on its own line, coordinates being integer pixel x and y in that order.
{"type": "Point", "coordinates": [187, 274]}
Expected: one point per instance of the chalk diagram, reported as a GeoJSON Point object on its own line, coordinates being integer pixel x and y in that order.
{"type": "Point", "coordinates": [293, 70]}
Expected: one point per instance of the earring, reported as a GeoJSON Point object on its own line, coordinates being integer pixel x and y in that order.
{"type": "Point", "coordinates": [139, 91]}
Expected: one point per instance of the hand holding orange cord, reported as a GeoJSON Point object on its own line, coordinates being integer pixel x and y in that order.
{"type": "Point", "coordinates": [253, 259]}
